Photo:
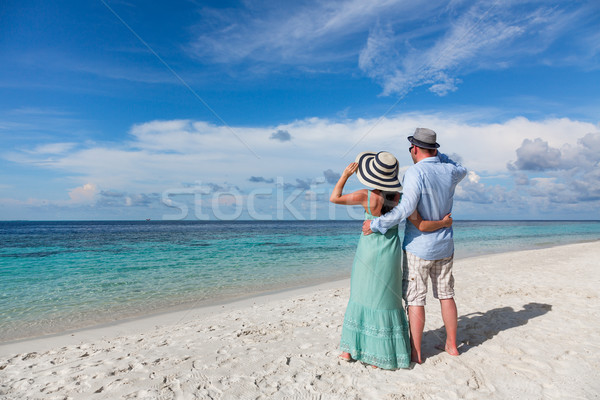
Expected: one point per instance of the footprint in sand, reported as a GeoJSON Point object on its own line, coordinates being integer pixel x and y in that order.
{"type": "Point", "coordinates": [200, 380]}
{"type": "Point", "coordinates": [241, 387]}
{"type": "Point", "coordinates": [566, 355]}
{"type": "Point", "coordinates": [169, 388]}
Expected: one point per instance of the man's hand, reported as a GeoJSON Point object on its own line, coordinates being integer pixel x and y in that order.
{"type": "Point", "coordinates": [367, 227]}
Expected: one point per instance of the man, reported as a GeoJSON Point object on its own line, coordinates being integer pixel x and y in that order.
{"type": "Point", "coordinates": [428, 187]}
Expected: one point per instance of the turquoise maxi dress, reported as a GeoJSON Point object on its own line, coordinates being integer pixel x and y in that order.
{"type": "Point", "coordinates": [375, 329]}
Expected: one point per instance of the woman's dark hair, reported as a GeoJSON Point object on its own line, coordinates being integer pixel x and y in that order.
{"type": "Point", "coordinates": [388, 201]}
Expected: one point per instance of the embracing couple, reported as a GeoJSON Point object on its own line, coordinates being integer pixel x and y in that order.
{"type": "Point", "coordinates": [375, 329]}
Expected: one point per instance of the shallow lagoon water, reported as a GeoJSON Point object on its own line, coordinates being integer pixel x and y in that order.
{"type": "Point", "coordinates": [57, 276]}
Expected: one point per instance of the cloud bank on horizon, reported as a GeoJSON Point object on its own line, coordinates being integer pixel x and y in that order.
{"type": "Point", "coordinates": [468, 70]}
{"type": "Point", "coordinates": [540, 166]}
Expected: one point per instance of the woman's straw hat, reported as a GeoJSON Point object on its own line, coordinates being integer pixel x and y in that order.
{"type": "Point", "coordinates": [378, 171]}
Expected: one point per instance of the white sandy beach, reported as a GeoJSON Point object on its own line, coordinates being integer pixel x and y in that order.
{"type": "Point", "coordinates": [529, 324]}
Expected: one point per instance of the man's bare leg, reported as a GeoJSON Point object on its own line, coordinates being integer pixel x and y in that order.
{"type": "Point", "coordinates": [416, 320]}
{"type": "Point", "coordinates": [450, 317]}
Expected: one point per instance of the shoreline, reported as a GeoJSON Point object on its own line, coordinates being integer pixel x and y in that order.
{"type": "Point", "coordinates": [527, 327]}
{"type": "Point", "coordinates": [133, 325]}
{"type": "Point", "coordinates": [528, 247]}
{"type": "Point", "coordinates": [183, 308]}
{"type": "Point", "coordinates": [212, 306]}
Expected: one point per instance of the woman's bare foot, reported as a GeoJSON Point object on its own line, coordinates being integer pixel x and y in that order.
{"type": "Point", "coordinates": [415, 357]}
{"type": "Point", "coordinates": [452, 350]}
{"type": "Point", "coordinates": [345, 356]}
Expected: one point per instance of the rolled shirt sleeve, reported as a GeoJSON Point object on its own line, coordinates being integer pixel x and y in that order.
{"type": "Point", "coordinates": [410, 199]}
{"type": "Point", "coordinates": [412, 189]}
{"type": "Point", "coordinates": [459, 172]}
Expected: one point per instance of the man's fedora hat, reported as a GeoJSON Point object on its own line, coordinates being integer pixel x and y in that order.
{"type": "Point", "coordinates": [424, 138]}
{"type": "Point", "coordinates": [378, 171]}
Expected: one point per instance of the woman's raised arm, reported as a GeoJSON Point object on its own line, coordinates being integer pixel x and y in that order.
{"type": "Point", "coordinates": [350, 199]}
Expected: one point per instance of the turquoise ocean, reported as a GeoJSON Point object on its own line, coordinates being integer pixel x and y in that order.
{"type": "Point", "coordinates": [59, 276]}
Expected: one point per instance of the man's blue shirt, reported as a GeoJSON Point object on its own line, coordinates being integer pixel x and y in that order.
{"type": "Point", "coordinates": [428, 187]}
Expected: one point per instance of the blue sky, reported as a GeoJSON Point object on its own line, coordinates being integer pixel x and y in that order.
{"type": "Point", "coordinates": [223, 110]}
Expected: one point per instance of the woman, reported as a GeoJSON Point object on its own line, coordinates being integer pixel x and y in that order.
{"type": "Point", "coordinates": [375, 329]}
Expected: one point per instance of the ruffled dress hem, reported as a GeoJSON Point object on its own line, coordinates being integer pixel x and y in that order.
{"type": "Point", "coordinates": [376, 337]}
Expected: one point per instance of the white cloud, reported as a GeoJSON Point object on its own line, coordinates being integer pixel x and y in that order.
{"type": "Point", "coordinates": [536, 155]}
{"type": "Point", "coordinates": [185, 151]}
{"type": "Point", "coordinates": [486, 35]}
{"type": "Point", "coordinates": [572, 173]}
{"type": "Point", "coordinates": [53, 148]}
{"type": "Point", "coordinates": [34, 111]}
{"type": "Point", "coordinates": [400, 44]}
{"type": "Point", "coordinates": [472, 190]}
{"type": "Point", "coordinates": [83, 194]}
{"type": "Point", "coordinates": [307, 33]}
{"type": "Point", "coordinates": [282, 136]}
{"type": "Point", "coordinates": [445, 85]}
{"type": "Point", "coordinates": [165, 155]}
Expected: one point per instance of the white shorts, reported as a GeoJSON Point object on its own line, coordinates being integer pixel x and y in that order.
{"type": "Point", "coordinates": [415, 276]}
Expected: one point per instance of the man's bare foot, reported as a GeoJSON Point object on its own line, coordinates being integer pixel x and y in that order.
{"type": "Point", "coordinates": [452, 350]}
